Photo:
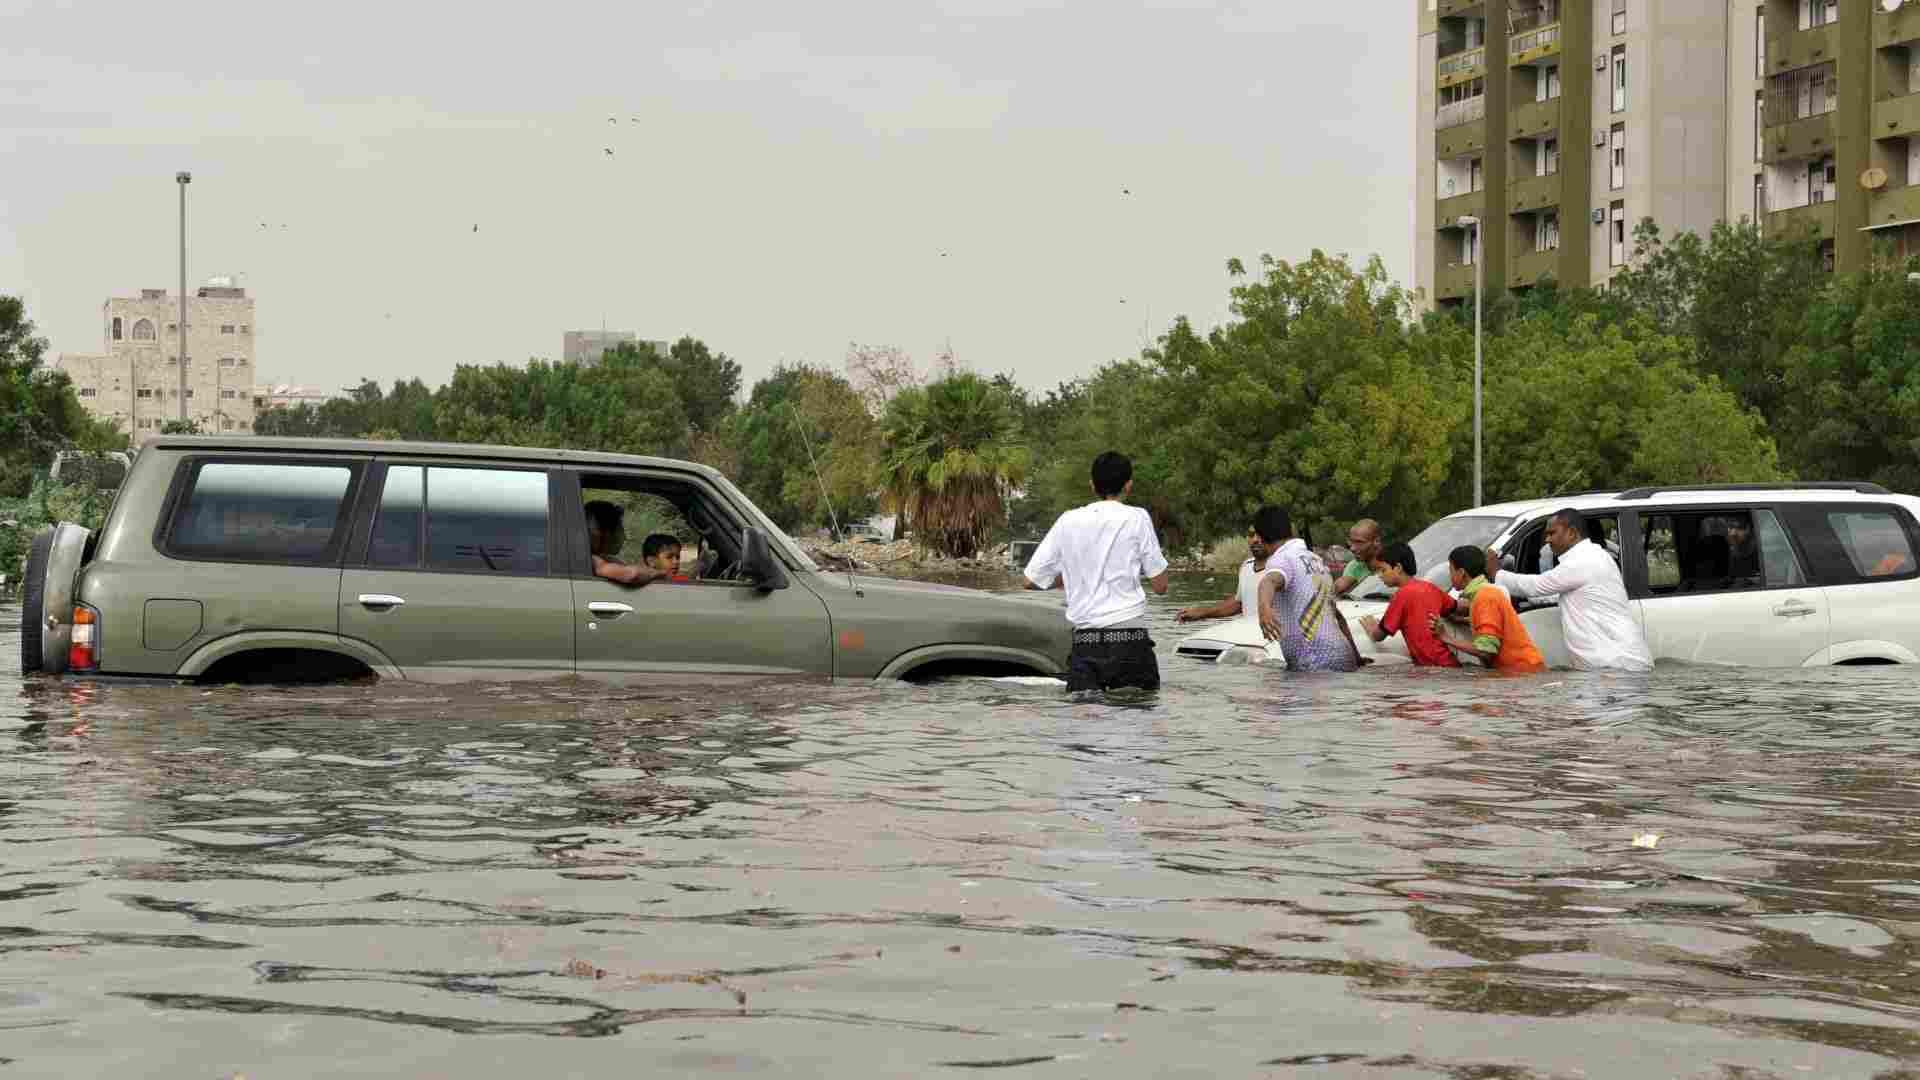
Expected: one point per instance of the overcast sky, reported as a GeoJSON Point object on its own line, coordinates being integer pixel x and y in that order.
{"type": "Point", "coordinates": [785, 177]}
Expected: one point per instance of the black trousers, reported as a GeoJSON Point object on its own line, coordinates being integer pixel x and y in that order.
{"type": "Point", "coordinates": [1111, 660]}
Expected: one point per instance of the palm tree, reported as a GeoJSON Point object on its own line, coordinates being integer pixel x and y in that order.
{"type": "Point", "coordinates": [950, 461]}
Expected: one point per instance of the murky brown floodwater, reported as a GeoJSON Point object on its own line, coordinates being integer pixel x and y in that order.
{"type": "Point", "coordinates": [1390, 874]}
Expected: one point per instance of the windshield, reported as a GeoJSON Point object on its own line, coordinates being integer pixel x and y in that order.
{"type": "Point", "coordinates": [776, 536]}
{"type": "Point", "coordinates": [1431, 548]}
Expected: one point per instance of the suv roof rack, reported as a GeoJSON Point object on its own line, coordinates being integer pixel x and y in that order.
{"type": "Point", "coordinates": [1860, 486]}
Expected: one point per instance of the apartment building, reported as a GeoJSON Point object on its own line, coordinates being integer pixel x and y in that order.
{"type": "Point", "coordinates": [136, 382]}
{"type": "Point", "coordinates": [1838, 119]}
{"type": "Point", "coordinates": [1558, 125]}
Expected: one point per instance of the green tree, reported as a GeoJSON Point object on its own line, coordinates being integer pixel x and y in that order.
{"type": "Point", "coordinates": [39, 413]}
{"type": "Point", "coordinates": [950, 461]}
{"type": "Point", "coordinates": [796, 419]}
{"type": "Point", "coordinates": [706, 381]}
{"type": "Point", "coordinates": [1852, 385]}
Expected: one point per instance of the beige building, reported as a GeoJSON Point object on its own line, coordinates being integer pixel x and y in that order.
{"type": "Point", "coordinates": [1560, 124]}
{"type": "Point", "coordinates": [586, 346]}
{"type": "Point", "coordinates": [136, 382]}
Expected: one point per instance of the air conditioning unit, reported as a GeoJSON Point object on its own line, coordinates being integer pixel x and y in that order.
{"type": "Point", "coordinates": [1600, 62]}
{"type": "Point", "coordinates": [1600, 138]}
{"type": "Point", "coordinates": [1599, 216]}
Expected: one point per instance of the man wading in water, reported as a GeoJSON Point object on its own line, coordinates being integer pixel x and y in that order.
{"type": "Point", "coordinates": [1098, 553]}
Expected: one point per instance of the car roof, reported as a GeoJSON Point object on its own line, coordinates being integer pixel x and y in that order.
{"type": "Point", "coordinates": [284, 445]}
{"type": "Point", "coordinates": [1704, 495]}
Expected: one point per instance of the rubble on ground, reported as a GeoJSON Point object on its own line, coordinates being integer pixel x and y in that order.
{"type": "Point", "coordinates": [899, 557]}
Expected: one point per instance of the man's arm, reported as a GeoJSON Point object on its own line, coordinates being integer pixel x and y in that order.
{"type": "Point", "coordinates": [1043, 570]}
{"type": "Point", "coordinates": [1153, 564]}
{"type": "Point", "coordinates": [624, 573]}
{"type": "Point", "coordinates": [1270, 583]}
{"type": "Point", "coordinates": [1563, 578]}
{"type": "Point", "coordinates": [1341, 621]}
{"type": "Point", "coordinates": [1465, 648]}
{"type": "Point", "coordinates": [1225, 609]}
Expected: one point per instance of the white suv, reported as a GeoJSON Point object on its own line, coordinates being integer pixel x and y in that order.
{"type": "Point", "coordinates": [1783, 575]}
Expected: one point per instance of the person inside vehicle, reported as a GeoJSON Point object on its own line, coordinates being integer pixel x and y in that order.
{"type": "Point", "coordinates": [606, 534]}
{"type": "Point", "coordinates": [1709, 565]}
{"type": "Point", "coordinates": [661, 551]}
{"type": "Point", "coordinates": [1366, 542]}
{"type": "Point", "coordinates": [1417, 602]}
{"type": "Point", "coordinates": [1598, 621]}
{"type": "Point", "coordinates": [1499, 639]}
{"type": "Point", "coordinates": [1296, 602]}
{"type": "Point", "coordinates": [1743, 551]}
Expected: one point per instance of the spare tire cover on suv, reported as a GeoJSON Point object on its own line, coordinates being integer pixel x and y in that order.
{"type": "Point", "coordinates": [52, 565]}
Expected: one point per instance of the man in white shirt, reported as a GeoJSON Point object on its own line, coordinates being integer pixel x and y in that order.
{"type": "Point", "coordinates": [1595, 615]}
{"type": "Point", "coordinates": [1098, 553]}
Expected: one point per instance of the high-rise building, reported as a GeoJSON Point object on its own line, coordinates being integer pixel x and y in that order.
{"type": "Point", "coordinates": [1560, 124]}
{"type": "Point", "coordinates": [586, 346]}
{"type": "Point", "coordinates": [136, 382]}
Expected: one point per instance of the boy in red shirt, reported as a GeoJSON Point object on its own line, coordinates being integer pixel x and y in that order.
{"type": "Point", "coordinates": [1415, 602]}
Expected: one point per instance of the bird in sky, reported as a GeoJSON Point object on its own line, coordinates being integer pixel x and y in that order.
{"type": "Point", "coordinates": [613, 120]}
{"type": "Point", "coordinates": [476, 228]}
{"type": "Point", "coordinates": [1126, 191]}
{"type": "Point", "coordinates": [608, 149]}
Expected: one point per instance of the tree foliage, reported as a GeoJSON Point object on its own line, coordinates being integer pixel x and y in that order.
{"type": "Point", "coordinates": [39, 412]}
{"type": "Point", "coordinates": [951, 458]}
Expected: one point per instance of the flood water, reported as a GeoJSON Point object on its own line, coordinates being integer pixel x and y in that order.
{"type": "Point", "coordinates": [1391, 874]}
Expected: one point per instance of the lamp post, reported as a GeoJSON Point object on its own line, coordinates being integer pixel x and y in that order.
{"type": "Point", "coordinates": [1479, 257]}
{"type": "Point", "coordinates": [183, 179]}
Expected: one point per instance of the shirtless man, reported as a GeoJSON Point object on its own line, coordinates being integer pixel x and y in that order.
{"type": "Point", "coordinates": [605, 535]}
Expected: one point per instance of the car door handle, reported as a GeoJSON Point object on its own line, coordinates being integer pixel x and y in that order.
{"type": "Point", "coordinates": [1793, 609]}
{"type": "Point", "coordinates": [379, 601]}
{"type": "Point", "coordinates": [609, 609]}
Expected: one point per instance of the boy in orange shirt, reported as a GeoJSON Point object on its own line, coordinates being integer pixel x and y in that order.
{"type": "Point", "coordinates": [1499, 639]}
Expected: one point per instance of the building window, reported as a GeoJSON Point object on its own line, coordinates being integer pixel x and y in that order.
{"type": "Point", "coordinates": [226, 328]}
{"type": "Point", "coordinates": [245, 328]}
{"type": "Point", "coordinates": [1547, 159]}
{"type": "Point", "coordinates": [1760, 42]}
{"type": "Point", "coordinates": [116, 328]}
{"type": "Point", "coordinates": [1619, 78]}
{"type": "Point", "coordinates": [143, 392]}
{"type": "Point", "coordinates": [1546, 82]}
{"type": "Point", "coordinates": [145, 423]}
{"type": "Point", "coordinates": [1619, 16]}
{"type": "Point", "coordinates": [88, 391]}
{"type": "Point", "coordinates": [189, 392]}
{"type": "Point", "coordinates": [226, 425]}
{"type": "Point", "coordinates": [1820, 177]}
{"type": "Point", "coordinates": [1826, 255]}
{"type": "Point", "coordinates": [1759, 196]}
{"type": "Point", "coordinates": [1759, 122]}
{"type": "Point", "coordinates": [1476, 178]}
{"type": "Point", "coordinates": [1617, 229]}
{"type": "Point", "coordinates": [1617, 155]}
{"type": "Point", "coordinates": [143, 330]}
{"type": "Point", "coordinates": [233, 361]}
{"type": "Point", "coordinates": [1546, 235]}
{"type": "Point", "coordinates": [229, 395]}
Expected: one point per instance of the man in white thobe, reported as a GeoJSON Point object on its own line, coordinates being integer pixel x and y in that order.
{"type": "Point", "coordinates": [1595, 615]}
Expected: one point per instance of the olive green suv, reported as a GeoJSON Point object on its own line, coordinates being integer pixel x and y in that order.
{"type": "Point", "coordinates": [238, 559]}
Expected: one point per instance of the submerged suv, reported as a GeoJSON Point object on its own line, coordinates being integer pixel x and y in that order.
{"type": "Point", "coordinates": [267, 559]}
{"type": "Point", "coordinates": [1768, 575]}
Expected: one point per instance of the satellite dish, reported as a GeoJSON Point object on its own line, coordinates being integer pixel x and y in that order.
{"type": "Point", "coordinates": [1875, 178]}
{"type": "Point", "coordinates": [1890, 6]}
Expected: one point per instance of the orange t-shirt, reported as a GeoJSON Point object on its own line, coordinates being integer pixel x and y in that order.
{"type": "Point", "coordinates": [1493, 616]}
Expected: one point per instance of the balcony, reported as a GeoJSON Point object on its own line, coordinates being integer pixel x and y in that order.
{"type": "Point", "coordinates": [1462, 66]}
{"type": "Point", "coordinates": [1453, 281]}
{"type": "Point", "coordinates": [1531, 266]}
{"type": "Point", "coordinates": [1894, 204]}
{"type": "Point", "coordinates": [1899, 27]}
{"type": "Point", "coordinates": [1448, 210]}
{"type": "Point", "coordinates": [1803, 138]}
{"type": "Point", "coordinates": [1818, 216]}
{"type": "Point", "coordinates": [1800, 48]}
{"type": "Point", "coordinates": [1533, 119]}
{"type": "Point", "coordinates": [1456, 113]}
{"type": "Point", "coordinates": [1463, 141]}
{"type": "Point", "coordinates": [1896, 116]}
{"type": "Point", "coordinates": [1528, 46]}
{"type": "Point", "coordinates": [1533, 193]}
{"type": "Point", "coordinates": [1460, 7]}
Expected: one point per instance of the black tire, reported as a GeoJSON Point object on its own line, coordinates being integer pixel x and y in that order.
{"type": "Point", "coordinates": [33, 620]}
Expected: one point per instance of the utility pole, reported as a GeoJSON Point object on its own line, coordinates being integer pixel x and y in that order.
{"type": "Point", "coordinates": [1479, 257]}
{"type": "Point", "coordinates": [183, 179]}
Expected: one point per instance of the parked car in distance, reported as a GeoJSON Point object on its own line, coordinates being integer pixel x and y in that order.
{"type": "Point", "coordinates": [1772, 575]}
{"type": "Point", "coordinates": [253, 558]}
{"type": "Point", "coordinates": [104, 469]}
{"type": "Point", "coordinates": [1020, 553]}
{"type": "Point", "coordinates": [865, 532]}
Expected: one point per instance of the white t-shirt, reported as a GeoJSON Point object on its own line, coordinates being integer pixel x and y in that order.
{"type": "Point", "coordinates": [1104, 549]}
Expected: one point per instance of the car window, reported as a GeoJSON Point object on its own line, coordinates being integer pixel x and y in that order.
{"type": "Point", "coordinates": [1706, 551]}
{"type": "Point", "coordinates": [261, 512]}
{"type": "Point", "coordinates": [1432, 545]}
{"type": "Point", "coordinates": [397, 527]}
{"type": "Point", "coordinates": [1875, 542]}
{"type": "Point", "coordinates": [709, 534]}
{"type": "Point", "coordinates": [1851, 544]}
{"type": "Point", "coordinates": [647, 514]}
{"type": "Point", "coordinates": [492, 520]}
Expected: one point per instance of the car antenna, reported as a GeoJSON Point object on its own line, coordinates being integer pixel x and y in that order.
{"type": "Point", "coordinates": [825, 499]}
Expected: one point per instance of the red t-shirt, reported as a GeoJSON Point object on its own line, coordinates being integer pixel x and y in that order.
{"type": "Point", "coordinates": [1412, 605]}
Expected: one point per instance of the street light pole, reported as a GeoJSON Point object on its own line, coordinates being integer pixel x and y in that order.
{"type": "Point", "coordinates": [183, 179]}
{"type": "Point", "coordinates": [1479, 257]}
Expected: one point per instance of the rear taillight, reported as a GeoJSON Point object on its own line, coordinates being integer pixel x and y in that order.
{"type": "Point", "coordinates": [83, 653]}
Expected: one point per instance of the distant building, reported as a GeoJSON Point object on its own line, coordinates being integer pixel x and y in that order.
{"type": "Point", "coordinates": [136, 382]}
{"type": "Point", "coordinates": [586, 346]}
{"type": "Point", "coordinates": [286, 395]}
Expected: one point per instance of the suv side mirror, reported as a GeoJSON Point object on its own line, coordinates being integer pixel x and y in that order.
{"type": "Point", "coordinates": [757, 562]}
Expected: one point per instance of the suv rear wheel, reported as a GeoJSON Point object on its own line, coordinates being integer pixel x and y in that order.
{"type": "Point", "coordinates": [33, 620]}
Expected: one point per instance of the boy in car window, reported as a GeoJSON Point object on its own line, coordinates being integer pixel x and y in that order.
{"type": "Point", "coordinates": [606, 534]}
{"type": "Point", "coordinates": [661, 551]}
